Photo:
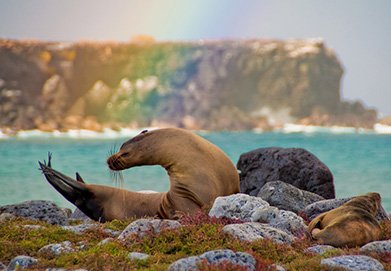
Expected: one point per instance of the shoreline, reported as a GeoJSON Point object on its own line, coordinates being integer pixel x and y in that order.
{"type": "Point", "coordinates": [288, 128]}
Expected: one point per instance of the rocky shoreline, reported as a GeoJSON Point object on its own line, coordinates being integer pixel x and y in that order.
{"type": "Point", "coordinates": [262, 228]}
{"type": "Point", "coordinates": [245, 220]}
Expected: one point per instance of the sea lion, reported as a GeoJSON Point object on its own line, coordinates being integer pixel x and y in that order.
{"type": "Point", "coordinates": [350, 225]}
{"type": "Point", "coordinates": [198, 170]}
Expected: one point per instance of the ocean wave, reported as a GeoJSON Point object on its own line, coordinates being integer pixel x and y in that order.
{"type": "Point", "coordinates": [382, 129]}
{"type": "Point", "coordinates": [75, 134]}
{"type": "Point", "coordinates": [298, 128]}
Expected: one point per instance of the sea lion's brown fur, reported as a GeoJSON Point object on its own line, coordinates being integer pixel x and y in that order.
{"type": "Point", "coordinates": [198, 170]}
{"type": "Point", "coordinates": [350, 225]}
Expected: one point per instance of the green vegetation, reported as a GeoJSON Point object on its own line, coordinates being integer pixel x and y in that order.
{"type": "Point", "coordinates": [198, 235]}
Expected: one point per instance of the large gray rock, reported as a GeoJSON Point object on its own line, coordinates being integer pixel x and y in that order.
{"type": "Point", "coordinates": [316, 208]}
{"type": "Point", "coordinates": [286, 196]}
{"type": "Point", "coordinates": [21, 262]}
{"type": "Point", "coordinates": [57, 249]}
{"type": "Point", "coordinates": [216, 257]}
{"type": "Point", "coordinates": [237, 206]}
{"type": "Point", "coordinates": [143, 226]}
{"type": "Point", "coordinates": [291, 165]}
{"type": "Point", "coordinates": [251, 231]}
{"type": "Point", "coordinates": [37, 210]}
{"type": "Point", "coordinates": [377, 246]}
{"type": "Point", "coordinates": [287, 221]}
{"type": "Point", "coordinates": [353, 263]}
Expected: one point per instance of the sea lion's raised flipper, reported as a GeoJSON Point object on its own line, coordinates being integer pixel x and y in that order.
{"type": "Point", "coordinates": [79, 178]}
{"type": "Point", "coordinates": [75, 191]}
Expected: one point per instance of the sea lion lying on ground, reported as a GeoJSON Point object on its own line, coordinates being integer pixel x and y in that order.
{"type": "Point", "coordinates": [350, 225]}
{"type": "Point", "coordinates": [198, 170]}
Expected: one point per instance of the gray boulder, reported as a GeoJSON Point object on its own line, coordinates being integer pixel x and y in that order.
{"type": "Point", "coordinates": [354, 263]}
{"type": "Point", "coordinates": [2, 266]}
{"type": "Point", "coordinates": [237, 206]}
{"type": "Point", "coordinates": [38, 210]}
{"type": "Point", "coordinates": [286, 196]}
{"type": "Point", "coordinates": [316, 208]}
{"type": "Point", "coordinates": [377, 246]}
{"type": "Point", "coordinates": [295, 166]}
{"type": "Point", "coordinates": [57, 249]}
{"type": "Point", "coordinates": [287, 221]}
{"type": "Point", "coordinates": [215, 257]}
{"type": "Point", "coordinates": [143, 226]}
{"type": "Point", "coordinates": [21, 262]}
{"type": "Point", "coordinates": [251, 231]}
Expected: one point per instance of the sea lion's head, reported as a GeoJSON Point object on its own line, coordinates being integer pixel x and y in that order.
{"type": "Point", "coordinates": [369, 202]}
{"type": "Point", "coordinates": [130, 153]}
{"type": "Point", "coordinates": [154, 147]}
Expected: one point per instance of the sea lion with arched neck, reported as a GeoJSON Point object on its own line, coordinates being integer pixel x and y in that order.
{"type": "Point", "coordinates": [198, 170]}
{"type": "Point", "coordinates": [350, 225]}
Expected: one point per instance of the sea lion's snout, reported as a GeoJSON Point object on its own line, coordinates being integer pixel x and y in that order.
{"type": "Point", "coordinates": [114, 162]}
{"type": "Point", "coordinates": [117, 162]}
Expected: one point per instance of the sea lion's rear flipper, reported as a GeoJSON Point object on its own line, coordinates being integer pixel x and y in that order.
{"type": "Point", "coordinates": [75, 191]}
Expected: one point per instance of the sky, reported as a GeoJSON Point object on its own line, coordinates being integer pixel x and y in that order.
{"type": "Point", "coordinates": [358, 31]}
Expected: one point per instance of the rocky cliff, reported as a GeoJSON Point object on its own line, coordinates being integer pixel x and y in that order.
{"type": "Point", "coordinates": [198, 85]}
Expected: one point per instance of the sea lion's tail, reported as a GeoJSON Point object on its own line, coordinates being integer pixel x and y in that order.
{"type": "Point", "coordinates": [75, 191]}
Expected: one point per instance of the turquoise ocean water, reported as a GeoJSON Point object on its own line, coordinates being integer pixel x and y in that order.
{"type": "Point", "coordinates": [359, 162]}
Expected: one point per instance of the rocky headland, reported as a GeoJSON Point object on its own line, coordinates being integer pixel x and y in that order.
{"type": "Point", "coordinates": [213, 85]}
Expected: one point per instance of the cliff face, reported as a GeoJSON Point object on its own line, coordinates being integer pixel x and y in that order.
{"type": "Point", "coordinates": [210, 85]}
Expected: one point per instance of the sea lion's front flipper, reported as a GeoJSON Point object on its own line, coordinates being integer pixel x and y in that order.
{"type": "Point", "coordinates": [75, 191]}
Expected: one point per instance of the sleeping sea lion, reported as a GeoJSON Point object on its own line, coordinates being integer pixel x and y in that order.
{"type": "Point", "coordinates": [350, 225]}
{"type": "Point", "coordinates": [198, 170]}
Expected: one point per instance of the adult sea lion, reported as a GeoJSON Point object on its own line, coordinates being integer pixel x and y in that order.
{"type": "Point", "coordinates": [198, 170]}
{"type": "Point", "coordinates": [350, 225]}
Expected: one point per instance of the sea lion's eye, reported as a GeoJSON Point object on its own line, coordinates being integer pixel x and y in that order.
{"type": "Point", "coordinates": [124, 154]}
{"type": "Point", "coordinates": [143, 132]}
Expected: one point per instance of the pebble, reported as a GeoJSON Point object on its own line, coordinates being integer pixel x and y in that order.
{"type": "Point", "coordinates": [138, 256]}
{"type": "Point", "coordinates": [21, 262]}
{"type": "Point", "coordinates": [6, 217]}
{"type": "Point", "coordinates": [215, 257]}
{"type": "Point", "coordinates": [33, 227]}
{"type": "Point", "coordinates": [79, 229]}
{"type": "Point", "coordinates": [57, 249]}
{"type": "Point", "coordinates": [251, 231]}
{"type": "Point", "coordinates": [106, 241]}
{"type": "Point", "coordinates": [142, 226]}
{"type": "Point", "coordinates": [354, 263]}
{"type": "Point", "coordinates": [319, 249]}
